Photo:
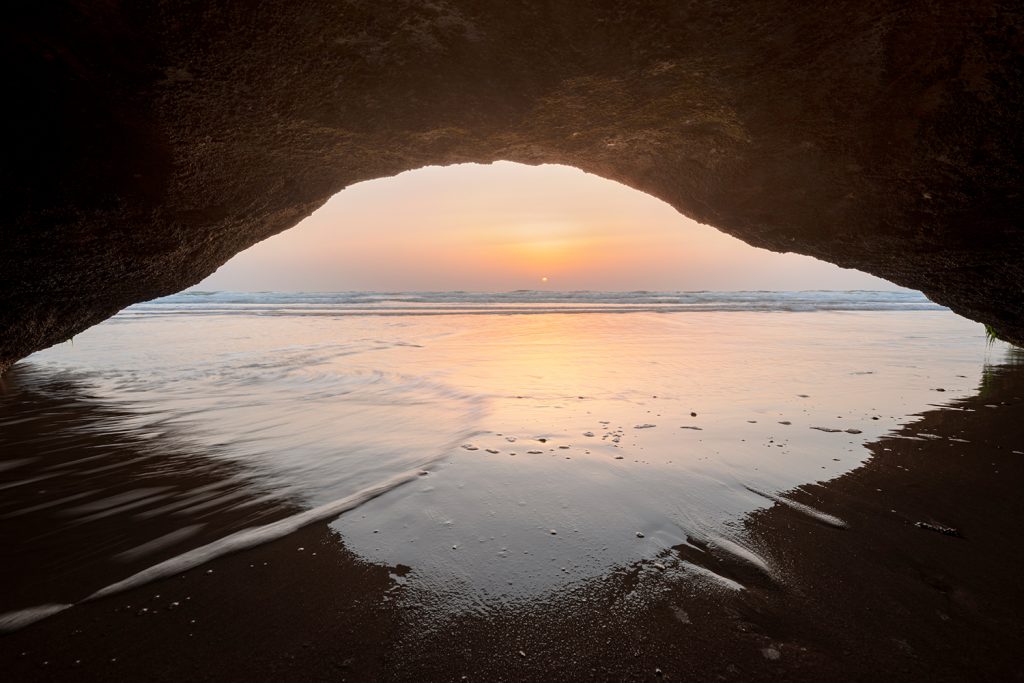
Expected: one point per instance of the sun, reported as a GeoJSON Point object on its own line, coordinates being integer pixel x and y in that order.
{"type": "Point", "coordinates": [544, 279]}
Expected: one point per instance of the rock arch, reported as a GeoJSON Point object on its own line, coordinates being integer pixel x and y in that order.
{"type": "Point", "coordinates": [149, 142]}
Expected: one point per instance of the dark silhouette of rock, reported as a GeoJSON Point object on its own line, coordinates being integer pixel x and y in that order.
{"type": "Point", "coordinates": [149, 142]}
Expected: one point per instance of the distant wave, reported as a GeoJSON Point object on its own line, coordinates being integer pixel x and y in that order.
{"type": "Point", "coordinates": [522, 302]}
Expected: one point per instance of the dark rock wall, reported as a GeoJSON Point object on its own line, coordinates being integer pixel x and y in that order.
{"type": "Point", "coordinates": [148, 142]}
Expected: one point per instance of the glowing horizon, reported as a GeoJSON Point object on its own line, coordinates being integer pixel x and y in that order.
{"type": "Point", "coordinates": [507, 226]}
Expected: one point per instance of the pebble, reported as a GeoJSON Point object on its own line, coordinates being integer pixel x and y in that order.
{"type": "Point", "coordinates": [553, 532]}
{"type": "Point", "coordinates": [771, 653]}
{"type": "Point", "coordinates": [645, 425]}
{"type": "Point", "coordinates": [588, 433]}
{"type": "Point", "coordinates": [491, 450]}
{"type": "Point", "coordinates": [639, 535]}
{"type": "Point", "coordinates": [693, 414]}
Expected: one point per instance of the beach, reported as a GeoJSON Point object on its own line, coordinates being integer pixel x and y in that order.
{"type": "Point", "coordinates": [515, 490]}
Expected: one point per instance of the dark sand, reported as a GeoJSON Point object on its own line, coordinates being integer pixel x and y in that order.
{"type": "Point", "coordinates": [881, 600]}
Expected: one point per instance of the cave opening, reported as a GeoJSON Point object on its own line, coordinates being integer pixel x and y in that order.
{"type": "Point", "coordinates": [508, 226]}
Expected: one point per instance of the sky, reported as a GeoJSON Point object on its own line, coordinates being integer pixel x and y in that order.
{"type": "Point", "coordinates": [507, 226]}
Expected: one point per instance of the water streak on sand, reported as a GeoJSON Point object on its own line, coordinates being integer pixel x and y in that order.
{"type": "Point", "coordinates": [242, 540]}
{"type": "Point", "coordinates": [818, 515]}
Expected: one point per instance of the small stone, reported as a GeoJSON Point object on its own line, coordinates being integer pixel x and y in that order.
{"type": "Point", "coordinates": [693, 414]}
{"type": "Point", "coordinates": [639, 535]}
{"type": "Point", "coordinates": [853, 431]}
{"type": "Point", "coordinates": [521, 653]}
{"type": "Point", "coordinates": [771, 653]}
{"type": "Point", "coordinates": [553, 532]}
{"type": "Point", "coordinates": [588, 433]}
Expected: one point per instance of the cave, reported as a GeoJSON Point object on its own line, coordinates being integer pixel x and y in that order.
{"type": "Point", "coordinates": [150, 142]}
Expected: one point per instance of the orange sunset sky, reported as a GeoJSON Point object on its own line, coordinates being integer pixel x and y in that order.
{"type": "Point", "coordinates": [507, 226]}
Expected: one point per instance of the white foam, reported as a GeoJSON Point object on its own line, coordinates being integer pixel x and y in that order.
{"type": "Point", "coordinates": [742, 553]}
{"type": "Point", "coordinates": [713, 577]}
{"type": "Point", "coordinates": [822, 517]}
{"type": "Point", "coordinates": [13, 621]}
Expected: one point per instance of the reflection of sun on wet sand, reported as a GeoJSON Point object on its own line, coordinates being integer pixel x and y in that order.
{"type": "Point", "coordinates": [881, 599]}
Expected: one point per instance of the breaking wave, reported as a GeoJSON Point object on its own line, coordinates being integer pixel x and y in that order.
{"type": "Point", "coordinates": [522, 302]}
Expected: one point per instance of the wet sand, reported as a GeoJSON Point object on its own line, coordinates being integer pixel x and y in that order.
{"type": "Point", "coordinates": [889, 596]}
